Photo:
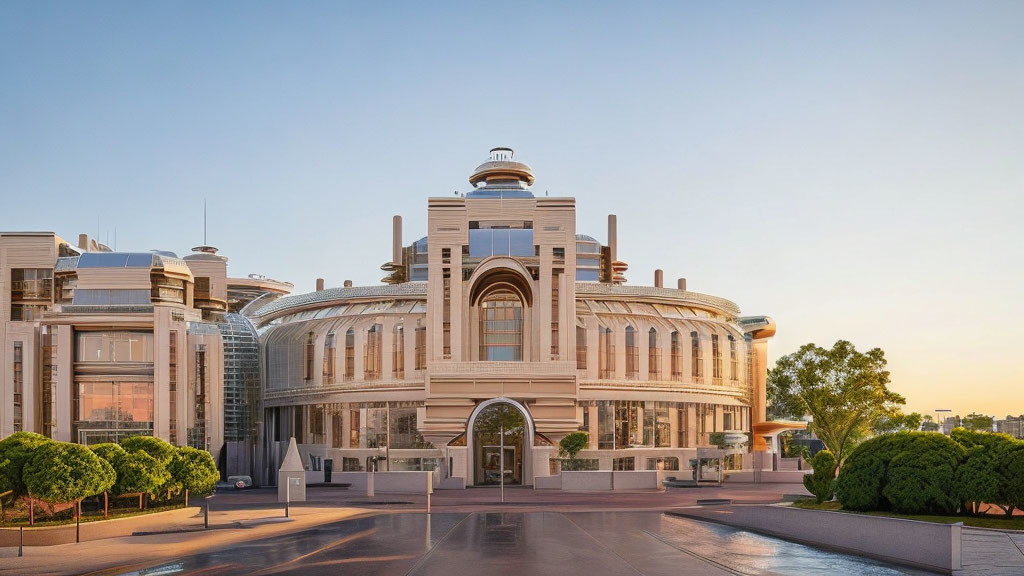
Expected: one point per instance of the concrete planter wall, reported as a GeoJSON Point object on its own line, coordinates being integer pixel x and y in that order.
{"type": "Point", "coordinates": [404, 482]}
{"type": "Point", "coordinates": [909, 542]}
{"type": "Point", "coordinates": [586, 481]}
{"type": "Point", "coordinates": [768, 476]}
{"type": "Point", "coordinates": [65, 534]}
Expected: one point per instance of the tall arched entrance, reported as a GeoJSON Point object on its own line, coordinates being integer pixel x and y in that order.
{"type": "Point", "coordinates": [499, 436]}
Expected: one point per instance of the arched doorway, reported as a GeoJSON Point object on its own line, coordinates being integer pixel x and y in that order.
{"type": "Point", "coordinates": [499, 437]}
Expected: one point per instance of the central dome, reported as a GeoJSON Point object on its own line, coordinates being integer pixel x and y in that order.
{"type": "Point", "coordinates": [501, 167]}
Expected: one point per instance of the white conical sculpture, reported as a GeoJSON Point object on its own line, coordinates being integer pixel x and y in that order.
{"type": "Point", "coordinates": [291, 477]}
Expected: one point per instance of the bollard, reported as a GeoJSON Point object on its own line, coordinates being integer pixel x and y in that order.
{"type": "Point", "coordinates": [78, 523]}
{"type": "Point", "coordinates": [206, 515]}
{"type": "Point", "coordinates": [21, 541]}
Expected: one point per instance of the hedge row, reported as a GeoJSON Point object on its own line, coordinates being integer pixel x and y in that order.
{"type": "Point", "coordinates": [57, 472]}
{"type": "Point", "coordinates": [929, 473]}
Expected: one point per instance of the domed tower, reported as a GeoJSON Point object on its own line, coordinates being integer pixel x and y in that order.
{"type": "Point", "coordinates": [501, 176]}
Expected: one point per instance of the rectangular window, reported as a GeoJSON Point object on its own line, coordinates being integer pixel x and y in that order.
{"type": "Point", "coordinates": [697, 369]}
{"type": "Point", "coordinates": [666, 463]}
{"type": "Point", "coordinates": [716, 360]}
{"type": "Point", "coordinates": [372, 360]}
{"type": "Point", "coordinates": [421, 347]}
{"type": "Point", "coordinates": [172, 385]}
{"type": "Point", "coordinates": [32, 284]}
{"type": "Point", "coordinates": [663, 411]}
{"type": "Point", "coordinates": [555, 277]}
{"type": "Point", "coordinates": [19, 385]}
{"type": "Point", "coordinates": [350, 354]}
{"type": "Point", "coordinates": [201, 291]}
{"type": "Point", "coordinates": [605, 425]}
{"type": "Point", "coordinates": [734, 372]}
{"type": "Point", "coordinates": [398, 353]}
{"type": "Point", "coordinates": [653, 356]}
{"type": "Point", "coordinates": [677, 357]}
{"type": "Point", "coordinates": [337, 428]}
{"type": "Point", "coordinates": [113, 346]}
{"type": "Point", "coordinates": [606, 353]}
{"type": "Point", "coordinates": [197, 435]}
{"type": "Point", "coordinates": [111, 297]}
{"type": "Point", "coordinates": [581, 348]}
{"type": "Point", "coordinates": [49, 379]}
{"type": "Point", "coordinates": [330, 350]}
{"type": "Point", "coordinates": [632, 355]}
{"type": "Point", "coordinates": [307, 357]}
{"type": "Point", "coordinates": [110, 411]}
{"type": "Point", "coordinates": [446, 321]}
{"type": "Point", "coordinates": [627, 463]}
{"type": "Point", "coordinates": [353, 429]}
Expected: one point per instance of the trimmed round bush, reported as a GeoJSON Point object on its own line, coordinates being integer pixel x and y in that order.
{"type": "Point", "coordinates": [108, 451]}
{"type": "Point", "coordinates": [862, 477]}
{"type": "Point", "coordinates": [65, 472]}
{"type": "Point", "coordinates": [139, 472]}
{"type": "Point", "coordinates": [194, 470]}
{"type": "Point", "coordinates": [16, 451]}
{"type": "Point", "coordinates": [920, 479]}
{"type": "Point", "coordinates": [155, 447]}
{"type": "Point", "coordinates": [821, 482]}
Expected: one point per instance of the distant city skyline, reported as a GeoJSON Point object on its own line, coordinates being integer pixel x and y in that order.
{"type": "Point", "coordinates": [853, 171]}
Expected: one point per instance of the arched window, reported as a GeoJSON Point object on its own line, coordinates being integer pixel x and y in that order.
{"type": "Point", "coordinates": [677, 356]}
{"type": "Point", "coordinates": [372, 360]}
{"type": "Point", "coordinates": [307, 357]}
{"type": "Point", "coordinates": [606, 353]}
{"type": "Point", "coordinates": [653, 356]}
{"type": "Point", "coordinates": [697, 368]}
{"type": "Point", "coordinates": [421, 347]}
{"type": "Point", "coordinates": [734, 361]}
{"type": "Point", "coordinates": [501, 326]}
{"type": "Point", "coordinates": [329, 352]}
{"type": "Point", "coordinates": [350, 354]}
{"type": "Point", "coordinates": [581, 348]}
{"type": "Point", "coordinates": [632, 354]}
{"type": "Point", "coordinates": [398, 352]}
{"type": "Point", "coordinates": [716, 360]}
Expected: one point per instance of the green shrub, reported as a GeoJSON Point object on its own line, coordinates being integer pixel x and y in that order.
{"type": "Point", "coordinates": [16, 451]}
{"type": "Point", "coordinates": [862, 477]}
{"type": "Point", "coordinates": [571, 444]}
{"type": "Point", "coordinates": [194, 470]}
{"type": "Point", "coordinates": [108, 451]}
{"type": "Point", "coordinates": [151, 445]}
{"type": "Point", "coordinates": [978, 479]}
{"type": "Point", "coordinates": [992, 471]}
{"type": "Point", "coordinates": [139, 472]}
{"type": "Point", "coordinates": [65, 472]}
{"type": "Point", "coordinates": [821, 482]}
{"type": "Point", "coordinates": [920, 479]}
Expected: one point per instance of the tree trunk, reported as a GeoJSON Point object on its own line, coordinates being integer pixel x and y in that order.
{"type": "Point", "coordinates": [140, 500]}
{"type": "Point", "coordinates": [106, 505]}
{"type": "Point", "coordinates": [31, 511]}
{"type": "Point", "coordinates": [186, 497]}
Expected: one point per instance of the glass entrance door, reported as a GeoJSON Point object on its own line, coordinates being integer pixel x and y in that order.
{"type": "Point", "coordinates": [487, 442]}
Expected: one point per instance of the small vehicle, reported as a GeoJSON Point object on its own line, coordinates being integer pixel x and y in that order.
{"type": "Point", "coordinates": [236, 482]}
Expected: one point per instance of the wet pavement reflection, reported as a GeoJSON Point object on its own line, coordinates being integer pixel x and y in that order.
{"type": "Point", "coordinates": [500, 543]}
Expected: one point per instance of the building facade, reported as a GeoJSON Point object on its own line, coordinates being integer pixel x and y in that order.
{"type": "Point", "coordinates": [489, 339]}
{"type": "Point", "coordinates": [99, 345]}
{"type": "Point", "coordinates": [495, 335]}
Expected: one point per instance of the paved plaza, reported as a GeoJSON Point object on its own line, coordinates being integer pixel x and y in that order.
{"type": "Point", "coordinates": [533, 532]}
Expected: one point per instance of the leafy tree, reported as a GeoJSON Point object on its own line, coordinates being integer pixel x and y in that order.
{"type": "Point", "coordinates": [920, 478]}
{"type": "Point", "coordinates": [155, 447]}
{"type": "Point", "coordinates": [862, 477]}
{"type": "Point", "coordinates": [65, 472]}
{"type": "Point", "coordinates": [569, 446]}
{"type": "Point", "coordinates": [108, 451]}
{"type": "Point", "coordinates": [928, 424]}
{"type": "Point", "coordinates": [194, 470]}
{"type": "Point", "coordinates": [821, 482]}
{"type": "Point", "coordinates": [16, 451]}
{"type": "Point", "coordinates": [991, 472]}
{"type": "Point", "coordinates": [897, 422]}
{"type": "Point", "coordinates": [139, 472]}
{"type": "Point", "coordinates": [980, 422]}
{"type": "Point", "coordinates": [844, 391]}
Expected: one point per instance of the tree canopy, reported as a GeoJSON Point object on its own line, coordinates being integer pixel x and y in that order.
{"type": "Point", "coordinates": [194, 470]}
{"type": "Point", "coordinates": [980, 422]}
{"type": "Point", "coordinates": [65, 472]}
{"type": "Point", "coordinates": [843, 390]}
{"type": "Point", "coordinates": [155, 447]}
{"type": "Point", "coordinates": [15, 452]}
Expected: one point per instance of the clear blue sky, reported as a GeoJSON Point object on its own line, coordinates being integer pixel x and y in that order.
{"type": "Point", "coordinates": [854, 170]}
